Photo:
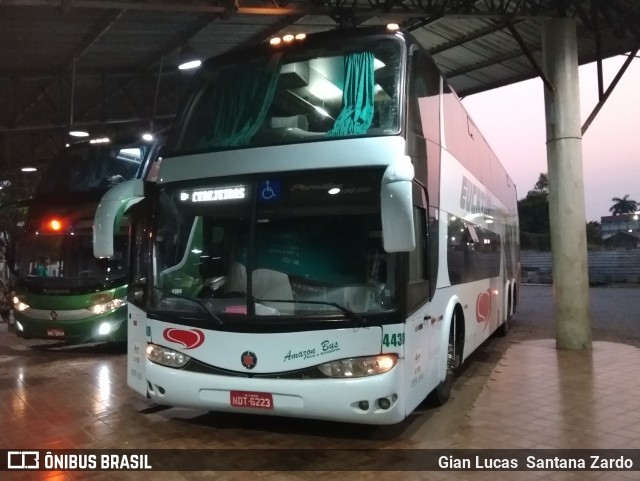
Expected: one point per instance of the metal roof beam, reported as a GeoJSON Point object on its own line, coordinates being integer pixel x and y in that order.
{"type": "Point", "coordinates": [484, 64]}
{"type": "Point", "coordinates": [529, 54]}
{"type": "Point", "coordinates": [97, 31]}
{"type": "Point", "coordinates": [607, 94]}
{"type": "Point", "coordinates": [488, 30]}
{"type": "Point", "coordinates": [181, 39]}
{"type": "Point", "coordinates": [377, 8]}
{"type": "Point", "coordinates": [153, 60]}
{"type": "Point", "coordinates": [86, 123]}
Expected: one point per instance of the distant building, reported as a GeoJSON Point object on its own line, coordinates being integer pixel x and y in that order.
{"type": "Point", "coordinates": [623, 240]}
{"type": "Point", "coordinates": [613, 224]}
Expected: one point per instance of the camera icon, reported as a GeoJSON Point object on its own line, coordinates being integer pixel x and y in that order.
{"type": "Point", "coordinates": [23, 460]}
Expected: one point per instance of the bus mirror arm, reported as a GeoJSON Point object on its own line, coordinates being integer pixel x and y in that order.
{"type": "Point", "coordinates": [396, 206]}
{"type": "Point", "coordinates": [136, 292]}
{"type": "Point", "coordinates": [109, 213]}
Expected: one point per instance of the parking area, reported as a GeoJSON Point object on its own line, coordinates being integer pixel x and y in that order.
{"type": "Point", "coordinates": [515, 392]}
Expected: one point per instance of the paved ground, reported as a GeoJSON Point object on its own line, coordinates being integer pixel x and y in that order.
{"type": "Point", "coordinates": [516, 392]}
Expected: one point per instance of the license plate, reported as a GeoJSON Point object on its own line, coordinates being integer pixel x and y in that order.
{"type": "Point", "coordinates": [245, 399]}
{"type": "Point", "coordinates": [55, 332]}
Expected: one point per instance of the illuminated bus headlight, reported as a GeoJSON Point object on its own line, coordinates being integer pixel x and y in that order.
{"type": "Point", "coordinates": [105, 328]}
{"type": "Point", "coordinates": [166, 357]}
{"type": "Point", "coordinates": [19, 305]}
{"type": "Point", "coordinates": [112, 305]}
{"type": "Point", "coordinates": [359, 366]}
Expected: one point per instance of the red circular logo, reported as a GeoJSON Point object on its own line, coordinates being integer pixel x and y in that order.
{"type": "Point", "coordinates": [190, 339]}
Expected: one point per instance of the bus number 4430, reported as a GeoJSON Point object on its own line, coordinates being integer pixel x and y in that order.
{"type": "Point", "coordinates": [395, 340]}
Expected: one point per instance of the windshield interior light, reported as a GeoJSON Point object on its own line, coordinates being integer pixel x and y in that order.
{"type": "Point", "coordinates": [323, 89]}
{"type": "Point", "coordinates": [321, 111]}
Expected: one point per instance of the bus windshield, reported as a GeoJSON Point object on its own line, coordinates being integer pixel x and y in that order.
{"type": "Point", "coordinates": [306, 250]}
{"type": "Point", "coordinates": [295, 94]}
{"type": "Point", "coordinates": [65, 261]}
{"type": "Point", "coordinates": [87, 167]}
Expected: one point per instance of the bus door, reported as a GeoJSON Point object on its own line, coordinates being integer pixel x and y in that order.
{"type": "Point", "coordinates": [136, 313]}
{"type": "Point", "coordinates": [420, 339]}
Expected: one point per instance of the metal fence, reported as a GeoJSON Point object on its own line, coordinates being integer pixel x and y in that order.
{"type": "Point", "coordinates": [605, 267]}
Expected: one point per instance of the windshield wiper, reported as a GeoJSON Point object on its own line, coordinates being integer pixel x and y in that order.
{"type": "Point", "coordinates": [200, 302]}
{"type": "Point", "coordinates": [346, 311]}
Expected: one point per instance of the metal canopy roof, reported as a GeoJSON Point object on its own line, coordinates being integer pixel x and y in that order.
{"type": "Point", "coordinates": [96, 62]}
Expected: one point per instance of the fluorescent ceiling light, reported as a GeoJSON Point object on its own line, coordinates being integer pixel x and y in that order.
{"type": "Point", "coordinates": [190, 65]}
{"type": "Point", "coordinates": [28, 169]}
{"type": "Point", "coordinates": [79, 133]}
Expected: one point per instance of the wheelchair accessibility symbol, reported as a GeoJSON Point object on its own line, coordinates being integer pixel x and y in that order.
{"type": "Point", "coordinates": [268, 190]}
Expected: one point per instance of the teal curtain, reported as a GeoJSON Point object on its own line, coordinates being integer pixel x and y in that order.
{"type": "Point", "coordinates": [238, 102]}
{"type": "Point", "coordinates": [357, 97]}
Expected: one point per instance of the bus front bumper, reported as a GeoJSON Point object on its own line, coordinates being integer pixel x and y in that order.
{"type": "Point", "coordinates": [109, 327]}
{"type": "Point", "coordinates": [374, 399]}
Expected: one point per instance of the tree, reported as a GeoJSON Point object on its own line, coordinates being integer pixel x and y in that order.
{"type": "Point", "coordinates": [533, 211]}
{"type": "Point", "coordinates": [593, 235]}
{"type": "Point", "coordinates": [535, 227]}
{"type": "Point", "coordinates": [542, 185]}
{"type": "Point", "coordinates": [623, 205]}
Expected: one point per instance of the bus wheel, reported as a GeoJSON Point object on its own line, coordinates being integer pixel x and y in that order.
{"type": "Point", "coordinates": [441, 394]}
{"type": "Point", "coordinates": [503, 329]}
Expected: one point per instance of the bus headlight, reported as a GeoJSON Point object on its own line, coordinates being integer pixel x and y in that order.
{"type": "Point", "coordinates": [105, 328]}
{"type": "Point", "coordinates": [359, 366]}
{"type": "Point", "coordinates": [111, 305]}
{"type": "Point", "coordinates": [166, 357]}
{"type": "Point", "coordinates": [19, 305]}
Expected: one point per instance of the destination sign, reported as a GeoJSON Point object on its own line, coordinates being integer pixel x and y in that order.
{"type": "Point", "coordinates": [214, 195]}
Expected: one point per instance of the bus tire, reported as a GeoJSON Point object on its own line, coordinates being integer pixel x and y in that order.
{"type": "Point", "coordinates": [503, 329]}
{"type": "Point", "coordinates": [441, 394]}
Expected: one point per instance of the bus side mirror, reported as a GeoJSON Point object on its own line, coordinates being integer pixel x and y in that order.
{"type": "Point", "coordinates": [109, 214]}
{"type": "Point", "coordinates": [396, 204]}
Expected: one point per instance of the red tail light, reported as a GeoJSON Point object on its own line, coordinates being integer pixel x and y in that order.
{"type": "Point", "coordinates": [54, 224]}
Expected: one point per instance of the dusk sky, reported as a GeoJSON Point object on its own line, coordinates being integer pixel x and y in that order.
{"type": "Point", "coordinates": [512, 120]}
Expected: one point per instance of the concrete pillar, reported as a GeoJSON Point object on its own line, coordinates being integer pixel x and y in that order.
{"type": "Point", "coordinates": [566, 186]}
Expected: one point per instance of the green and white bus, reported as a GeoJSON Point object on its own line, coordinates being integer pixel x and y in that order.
{"type": "Point", "coordinates": [63, 292]}
{"type": "Point", "coordinates": [329, 237]}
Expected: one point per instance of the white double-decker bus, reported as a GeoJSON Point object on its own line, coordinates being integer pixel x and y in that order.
{"type": "Point", "coordinates": [329, 236]}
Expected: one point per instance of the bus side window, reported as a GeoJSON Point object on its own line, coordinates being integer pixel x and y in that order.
{"type": "Point", "coordinates": [418, 269]}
